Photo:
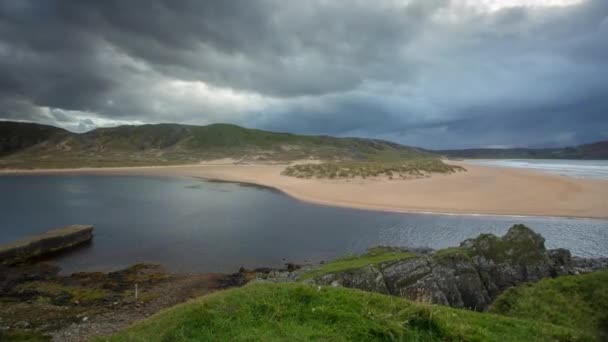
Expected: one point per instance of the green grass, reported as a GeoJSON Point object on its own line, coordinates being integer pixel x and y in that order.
{"type": "Point", "coordinates": [390, 167]}
{"type": "Point", "coordinates": [579, 302]}
{"type": "Point", "coordinates": [298, 312]}
{"type": "Point", "coordinates": [374, 256]}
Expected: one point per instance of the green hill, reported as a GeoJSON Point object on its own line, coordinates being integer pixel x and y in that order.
{"type": "Point", "coordinates": [26, 145]}
{"type": "Point", "coordinates": [298, 312]}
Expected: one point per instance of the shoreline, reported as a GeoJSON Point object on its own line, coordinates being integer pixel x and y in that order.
{"type": "Point", "coordinates": [480, 191]}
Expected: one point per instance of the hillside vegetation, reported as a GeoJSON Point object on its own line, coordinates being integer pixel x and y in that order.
{"type": "Point", "coordinates": [25, 145]}
{"type": "Point", "coordinates": [579, 302]}
{"type": "Point", "coordinates": [17, 136]}
{"type": "Point", "coordinates": [298, 312]}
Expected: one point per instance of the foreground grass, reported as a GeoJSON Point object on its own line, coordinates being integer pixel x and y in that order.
{"type": "Point", "coordinates": [285, 312]}
{"type": "Point", "coordinates": [373, 256]}
{"type": "Point", "coordinates": [388, 168]}
{"type": "Point", "coordinates": [579, 302]}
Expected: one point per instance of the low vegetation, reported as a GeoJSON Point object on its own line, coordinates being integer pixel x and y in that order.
{"type": "Point", "coordinates": [374, 256]}
{"type": "Point", "coordinates": [579, 302]}
{"type": "Point", "coordinates": [399, 169]}
{"type": "Point", "coordinates": [285, 312]}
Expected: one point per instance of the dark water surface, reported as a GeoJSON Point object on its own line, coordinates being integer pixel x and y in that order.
{"type": "Point", "coordinates": [197, 226]}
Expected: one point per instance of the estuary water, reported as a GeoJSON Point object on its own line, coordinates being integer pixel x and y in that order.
{"type": "Point", "coordinates": [190, 225]}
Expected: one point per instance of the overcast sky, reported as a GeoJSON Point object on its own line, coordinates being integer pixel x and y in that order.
{"type": "Point", "coordinates": [430, 73]}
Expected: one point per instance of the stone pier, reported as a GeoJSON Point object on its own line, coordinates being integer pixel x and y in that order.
{"type": "Point", "coordinates": [49, 242]}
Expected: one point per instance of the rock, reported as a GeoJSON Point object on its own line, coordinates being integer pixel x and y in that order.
{"type": "Point", "coordinates": [291, 267]}
{"type": "Point", "coordinates": [45, 243]}
{"type": "Point", "coordinates": [470, 276]}
{"type": "Point", "coordinates": [22, 325]}
{"type": "Point", "coordinates": [368, 278]}
{"type": "Point", "coordinates": [63, 298]}
{"type": "Point", "coordinates": [585, 265]}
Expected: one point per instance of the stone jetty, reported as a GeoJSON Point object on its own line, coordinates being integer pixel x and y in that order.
{"type": "Point", "coordinates": [49, 242]}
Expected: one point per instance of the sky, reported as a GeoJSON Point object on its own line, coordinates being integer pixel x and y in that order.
{"type": "Point", "coordinates": [429, 73]}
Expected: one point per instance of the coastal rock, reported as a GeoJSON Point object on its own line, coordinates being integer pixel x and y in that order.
{"type": "Point", "coordinates": [585, 265]}
{"type": "Point", "coordinates": [368, 278]}
{"type": "Point", "coordinates": [470, 276]}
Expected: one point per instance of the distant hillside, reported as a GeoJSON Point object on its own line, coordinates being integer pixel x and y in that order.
{"type": "Point", "coordinates": [598, 150]}
{"type": "Point", "coordinates": [17, 136]}
{"type": "Point", "coordinates": [27, 145]}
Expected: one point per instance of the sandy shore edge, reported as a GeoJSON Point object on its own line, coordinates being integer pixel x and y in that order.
{"type": "Point", "coordinates": [482, 190]}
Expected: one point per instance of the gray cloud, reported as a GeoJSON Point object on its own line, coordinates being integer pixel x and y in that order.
{"type": "Point", "coordinates": [429, 73]}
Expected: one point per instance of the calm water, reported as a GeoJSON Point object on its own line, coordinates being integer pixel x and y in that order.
{"type": "Point", "coordinates": [190, 225]}
{"type": "Point", "coordinates": [593, 169]}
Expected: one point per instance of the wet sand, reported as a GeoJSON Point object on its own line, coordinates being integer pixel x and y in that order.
{"type": "Point", "coordinates": [479, 190]}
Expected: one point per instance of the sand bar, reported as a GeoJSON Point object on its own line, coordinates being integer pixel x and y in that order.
{"type": "Point", "coordinates": [480, 190]}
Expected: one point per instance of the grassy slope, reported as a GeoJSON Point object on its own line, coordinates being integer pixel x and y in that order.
{"type": "Point", "coordinates": [296, 312]}
{"type": "Point", "coordinates": [573, 308]}
{"type": "Point", "coordinates": [373, 256]}
{"type": "Point", "coordinates": [179, 144]}
{"type": "Point", "coordinates": [579, 302]}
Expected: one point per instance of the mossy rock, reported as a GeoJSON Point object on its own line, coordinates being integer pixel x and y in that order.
{"type": "Point", "coordinates": [520, 245]}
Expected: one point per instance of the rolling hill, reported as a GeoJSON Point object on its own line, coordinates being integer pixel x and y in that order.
{"type": "Point", "coordinates": [28, 145]}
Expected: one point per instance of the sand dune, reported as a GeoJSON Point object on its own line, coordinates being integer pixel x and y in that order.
{"type": "Point", "coordinates": [480, 190]}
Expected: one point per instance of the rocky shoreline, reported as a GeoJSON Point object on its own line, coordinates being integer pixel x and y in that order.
{"type": "Point", "coordinates": [470, 276]}
{"type": "Point", "coordinates": [38, 303]}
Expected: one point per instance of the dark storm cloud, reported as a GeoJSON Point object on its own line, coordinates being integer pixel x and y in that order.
{"type": "Point", "coordinates": [431, 73]}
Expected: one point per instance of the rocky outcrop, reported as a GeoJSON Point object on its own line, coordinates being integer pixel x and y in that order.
{"type": "Point", "coordinates": [470, 276]}
{"type": "Point", "coordinates": [45, 243]}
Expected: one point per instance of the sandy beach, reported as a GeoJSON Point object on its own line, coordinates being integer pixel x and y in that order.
{"type": "Point", "coordinates": [480, 190]}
